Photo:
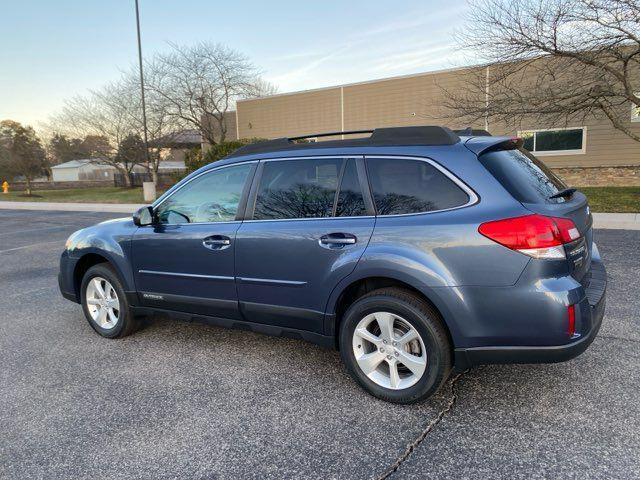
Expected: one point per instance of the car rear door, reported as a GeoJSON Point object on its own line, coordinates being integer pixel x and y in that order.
{"type": "Point", "coordinates": [308, 223]}
{"type": "Point", "coordinates": [185, 261]}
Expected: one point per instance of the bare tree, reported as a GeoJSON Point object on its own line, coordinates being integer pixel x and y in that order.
{"type": "Point", "coordinates": [160, 122]}
{"type": "Point", "coordinates": [552, 61]}
{"type": "Point", "coordinates": [103, 114]}
{"type": "Point", "coordinates": [199, 84]}
{"type": "Point", "coordinates": [188, 87]}
{"type": "Point", "coordinates": [114, 113]}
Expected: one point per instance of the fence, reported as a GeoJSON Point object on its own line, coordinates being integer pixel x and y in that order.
{"type": "Point", "coordinates": [165, 179]}
{"type": "Point", "coordinates": [20, 186]}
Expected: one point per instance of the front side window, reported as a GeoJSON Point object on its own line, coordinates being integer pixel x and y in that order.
{"type": "Point", "coordinates": [403, 186]}
{"type": "Point", "coordinates": [212, 197]}
{"type": "Point", "coordinates": [301, 188]}
{"type": "Point", "coordinates": [565, 141]}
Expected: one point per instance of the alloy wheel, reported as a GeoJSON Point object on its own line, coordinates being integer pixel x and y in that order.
{"type": "Point", "coordinates": [389, 350]}
{"type": "Point", "coordinates": [102, 303]}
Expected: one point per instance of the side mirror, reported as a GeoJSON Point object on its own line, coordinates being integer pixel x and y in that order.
{"type": "Point", "coordinates": [143, 216]}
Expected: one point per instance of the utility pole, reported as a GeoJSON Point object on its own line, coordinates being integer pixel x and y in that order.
{"type": "Point", "coordinates": [144, 105]}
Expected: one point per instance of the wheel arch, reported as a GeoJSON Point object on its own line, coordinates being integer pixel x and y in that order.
{"type": "Point", "coordinates": [88, 260]}
{"type": "Point", "coordinates": [353, 288]}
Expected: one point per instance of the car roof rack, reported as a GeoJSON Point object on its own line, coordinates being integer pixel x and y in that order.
{"type": "Point", "coordinates": [330, 134]}
{"type": "Point", "coordinates": [419, 135]}
{"type": "Point", "coordinates": [472, 132]}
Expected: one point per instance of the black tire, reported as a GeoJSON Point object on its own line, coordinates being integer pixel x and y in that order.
{"type": "Point", "coordinates": [127, 323]}
{"type": "Point", "coordinates": [424, 318]}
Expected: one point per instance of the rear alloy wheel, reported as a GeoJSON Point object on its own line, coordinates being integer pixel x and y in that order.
{"type": "Point", "coordinates": [395, 345]}
{"type": "Point", "coordinates": [389, 350]}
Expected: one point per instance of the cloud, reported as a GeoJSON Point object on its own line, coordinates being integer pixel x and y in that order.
{"type": "Point", "coordinates": [295, 76]}
{"type": "Point", "coordinates": [410, 42]}
{"type": "Point", "coordinates": [399, 63]}
{"type": "Point", "coordinates": [415, 20]}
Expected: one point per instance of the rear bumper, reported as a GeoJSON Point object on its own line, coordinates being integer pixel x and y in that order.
{"type": "Point", "coordinates": [596, 296]}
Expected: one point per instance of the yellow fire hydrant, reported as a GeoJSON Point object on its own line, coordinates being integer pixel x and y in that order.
{"type": "Point", "coordinates": [5, 187]}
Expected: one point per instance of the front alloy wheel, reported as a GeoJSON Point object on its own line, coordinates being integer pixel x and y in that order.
{"type": "Point", "coordinates": [105, 303]}
{"type": "Point", "coordinates": [102, 303]}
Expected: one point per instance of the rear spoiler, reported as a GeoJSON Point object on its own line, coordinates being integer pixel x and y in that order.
{"type": "Point", "coordinates": [480, 145]}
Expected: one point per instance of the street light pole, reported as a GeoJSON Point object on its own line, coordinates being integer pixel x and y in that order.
{"type": "Point", "coordinates": [144, 105]}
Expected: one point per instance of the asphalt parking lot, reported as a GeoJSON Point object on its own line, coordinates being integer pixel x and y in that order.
{"type": "Point", "coordinates": [186, 400]}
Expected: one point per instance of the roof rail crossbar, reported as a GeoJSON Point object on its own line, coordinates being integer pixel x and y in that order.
{"type": "Point", "coordinates": [330, 134]}
{"type": "Point", "coordinates": [395, 136]}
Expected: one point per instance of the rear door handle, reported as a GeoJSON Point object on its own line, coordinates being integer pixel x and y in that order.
{"type": "Point", "coordinates": [337, 240]}
{"type": "Point", "coordinates": [216, 242]}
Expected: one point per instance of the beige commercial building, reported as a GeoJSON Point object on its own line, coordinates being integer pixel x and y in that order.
{"type": "Point", "coordinates": [592, 152]}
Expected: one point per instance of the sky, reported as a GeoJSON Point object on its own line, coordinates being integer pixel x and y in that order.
{"type": "Point", "coordinates": [54, 50]}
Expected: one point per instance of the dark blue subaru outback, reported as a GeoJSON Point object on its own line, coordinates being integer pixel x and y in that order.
{"type": "Point", "coordinates": [414, 251]}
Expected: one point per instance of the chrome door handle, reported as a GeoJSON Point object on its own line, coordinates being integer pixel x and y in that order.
{"type": "Point", "coordinates": [216, 242]}
{"type": "Point", "coordinates": [337, 240]}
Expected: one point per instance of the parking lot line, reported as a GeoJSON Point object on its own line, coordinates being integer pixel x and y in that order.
{"type": "Point", "coordinates": [41, 229]}
{"type": "Point", "coordinates": [32, 245]}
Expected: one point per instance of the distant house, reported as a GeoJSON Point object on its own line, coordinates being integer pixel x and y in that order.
{"type": "Point", "coordinates": [82, 169]}
{"type": "Point", "coordinates": [174, 146]}
{"type": "Point", "coordinates": [88, 170]}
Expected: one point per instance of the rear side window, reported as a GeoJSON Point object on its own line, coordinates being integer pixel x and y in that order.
{"type": "Point", "coordinates": [309, 188]}
{"type": "Point", "coordinates": [524, 176]}
{"type": "Point", "coordinates": [402, 186]}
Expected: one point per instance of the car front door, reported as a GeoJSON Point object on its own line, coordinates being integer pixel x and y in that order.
{"type": "Point", "coordinates": [308, 222]}
{"type": "Point", "coordinates": [185, 260]}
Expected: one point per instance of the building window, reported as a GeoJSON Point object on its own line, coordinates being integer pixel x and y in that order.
{"type": "Point", "coordinates": [559, 141]}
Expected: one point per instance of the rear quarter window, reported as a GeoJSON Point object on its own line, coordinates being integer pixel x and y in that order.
{"type": "Point", "coordinates": [524, 176]}
{"type": "Point", "coordinates": [404, 186]}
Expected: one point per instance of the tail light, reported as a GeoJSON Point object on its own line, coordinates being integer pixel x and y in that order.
{"type": "Point", "coordinates": [571, 327]}
{"type": "Point", "coordinates": [534, 235]}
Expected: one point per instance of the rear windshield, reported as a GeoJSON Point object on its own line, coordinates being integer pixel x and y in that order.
{"type": "Point", "coordinates": [525, 177]}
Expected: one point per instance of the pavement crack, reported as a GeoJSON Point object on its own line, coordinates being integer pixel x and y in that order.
{"type": "Point", "coordinates": [427, 429]}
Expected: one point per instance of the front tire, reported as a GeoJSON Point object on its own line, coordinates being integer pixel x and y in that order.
{"type": "Point", "coordinates": [105, 304]}
{"type": "Point", "coordinates": [395, 345]}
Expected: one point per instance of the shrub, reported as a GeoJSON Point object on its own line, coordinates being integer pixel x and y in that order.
{"type": "Point", "coordinates": [221, 150]}
{"type": "Point", "coordinates": [194, 159]}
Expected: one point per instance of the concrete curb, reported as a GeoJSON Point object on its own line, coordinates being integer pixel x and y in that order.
{"type": "Point", "coordinates": [71, 207]}
{"type": "Point", "coordinates": [619, 221]}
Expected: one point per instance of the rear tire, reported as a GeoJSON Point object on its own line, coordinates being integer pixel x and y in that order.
{"type": "Point", "coordinates": [386, 329]}
{"type": "Point", "coordinates": [105, 304]}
